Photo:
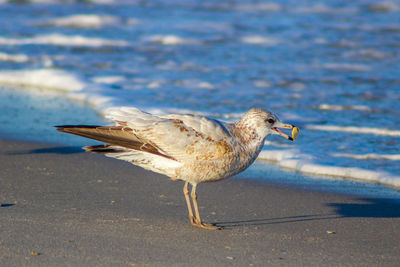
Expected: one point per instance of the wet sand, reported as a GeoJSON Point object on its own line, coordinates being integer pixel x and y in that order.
{"type": "Point", "coordinates": [63, 207]}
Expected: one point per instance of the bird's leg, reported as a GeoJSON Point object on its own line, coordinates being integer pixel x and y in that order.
{"type": "Point", "coordinates": [189, 205]}
{"type": "Point", "coordinates": [198, 221]}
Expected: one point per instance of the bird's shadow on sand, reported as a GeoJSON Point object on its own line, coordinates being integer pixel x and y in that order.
{"type": "Point", "coordinates": [5, 205]}
{"type": "Point", "coordinates": [50, 150]}
{"type": "Point", "coordinates": [279, 220]}
{"type": "Point", "coordinates": [370, 208]}
{"type": "Point", "coordinates": [362, 208]}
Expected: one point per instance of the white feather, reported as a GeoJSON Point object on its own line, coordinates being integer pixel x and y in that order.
{"type": "Point", "coordinates": [148, 161]}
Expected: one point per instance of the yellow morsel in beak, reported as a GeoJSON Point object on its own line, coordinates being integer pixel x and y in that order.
{"type": "Point", "coordinates": [295, 132]}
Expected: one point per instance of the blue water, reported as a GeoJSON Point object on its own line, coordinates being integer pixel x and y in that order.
{"type": "Point", "coordinates": [313, 63]}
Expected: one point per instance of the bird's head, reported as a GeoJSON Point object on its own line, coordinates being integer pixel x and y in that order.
{"type": "Point", "coordinates": [265, 123]}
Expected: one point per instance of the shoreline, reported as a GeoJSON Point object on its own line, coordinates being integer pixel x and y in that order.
{"type": "Point", "coordinates": [71, 111]}
{"type": "Point", "coordinates": [63, 207]}
{"type": "Point", "coordinates": [262, 171]}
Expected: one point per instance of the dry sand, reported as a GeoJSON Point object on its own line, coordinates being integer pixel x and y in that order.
{"type": "Point", "coordinates": [63, 207]}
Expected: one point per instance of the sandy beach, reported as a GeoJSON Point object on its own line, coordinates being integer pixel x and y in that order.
{"type": "Point", "coordinates": [63, 207]}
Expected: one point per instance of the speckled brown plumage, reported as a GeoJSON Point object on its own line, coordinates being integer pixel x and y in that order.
{"type": "Point", "coordinates": [191, 148]}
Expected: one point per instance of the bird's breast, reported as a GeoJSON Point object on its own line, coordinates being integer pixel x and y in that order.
{"type": "Point", "coordinates": [220, 162]}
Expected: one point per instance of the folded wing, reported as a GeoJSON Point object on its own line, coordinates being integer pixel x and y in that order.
{"type": "Point", "coordinates": [178, 136]}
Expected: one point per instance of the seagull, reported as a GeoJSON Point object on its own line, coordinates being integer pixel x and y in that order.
{"type": "Point", "coordinates": [191, 148]}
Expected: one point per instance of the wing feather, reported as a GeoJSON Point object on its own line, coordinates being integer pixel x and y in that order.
{"type": "Point", "coordinates": [179, 136]}
{"type": "Point", "coordinates": [174, 136]}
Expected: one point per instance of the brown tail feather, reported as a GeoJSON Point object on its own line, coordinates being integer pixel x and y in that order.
{"type": "Point", "coordinates": [115, 135]}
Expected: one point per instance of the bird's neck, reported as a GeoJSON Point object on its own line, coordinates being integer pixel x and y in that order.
{"type": "Point", "coordinates": [249, 141]}
{"type": "Point", "coordinates": [247, 135]}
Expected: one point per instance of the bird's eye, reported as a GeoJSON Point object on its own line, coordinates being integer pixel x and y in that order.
{"type": "Point", "coordinates": [270, 121]}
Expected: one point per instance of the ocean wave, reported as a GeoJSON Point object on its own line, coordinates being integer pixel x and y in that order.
{"type": "Point", "coordinates": [63, 40]}
{"type": "Point", "coordinates": [43, 78]}
{"type": "Point", "coordinates": [96, 93]}
{"type": "Point", "coordinates": [352, 129]}
{"type": "Point", "coordinates": [195, 84]}
{"type": "Point", "coordinates": [71, 85]}
{"type": "Point", "coordinates": [108, 79]}
{"type": "Point", "coordinates": [260, 40]}
{"type": "Point", "coordinates": [346, 107]}
{"type": "Point", "coordinates": [202, 27]}
{"type": "Point", "coordinates": [259, 7]}
{"type": "Point", "coordinates": [369, 156]}
{"type": "Point", "coordinates": [275, 144]}
{"type": "Point", "coordinates": [169, 40]}
{"type": "Point", "coordinates": [83, 21]}
{"type": "Point", "coordinates": [41, 60]}
{"type": "Point", "coordinates": [293, 160]}
{"type": "Point", "coordinates": [18, 58]}
{"type": "Point", "coordinates": [262, 83]}
{"type": "Point", "coordinates": [345, 67]}
{"type": "Point", "coordinates": [366, 53]}
{"type": "Point", "coordinates": [320, 8]}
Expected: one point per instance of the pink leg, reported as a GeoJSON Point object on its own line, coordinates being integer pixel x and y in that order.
{"type": "Point", "coordinates": [198, 221]}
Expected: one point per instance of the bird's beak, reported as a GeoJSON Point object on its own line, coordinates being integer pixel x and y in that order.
{"type": "Point", "coordinates": [295, 130]}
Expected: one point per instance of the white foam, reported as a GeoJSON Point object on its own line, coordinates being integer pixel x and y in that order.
{"type": "Point", "coordinates": [262, 83]}
{"type": "Point", "coordinates": [70, 85]}
{"type": "Point", "coordinates": [195, 84]}
{"type": "Point", "coordinates": [42, 78]}
{"type": "Point", "coordinates": [369, 156]}
{"type": "Point", "coordinates": [169, 40]}
{"type": "Point", "coordinates": [293, 160]}
{"type": "Point", "coordinates": [345, 67]}
{"type": "Point", "coordinates": [260, 40]}
{"type": "Point", "coordinates": [275, 144]}
{"type": "Point", "coordinates": [63, 40]}
{"type": "Point", "coordinates": [324, 9]}
{"type": "Point", "coordinates": [19, 58]}
{"type": "Point", "coordinates": [340, 107]}
{"type": "Point", "coordinates": [259, 7]}
{"type": "Point", "coordinates": [352, 129]}
{"type": "Point", "coordinates": [171, 65]}
{"type": "Point", "coordinates": [155, 84]}
{"type": "Point", "coordinates": [98, 95]}
{"type": "Point", "coordinates": [84, 21]}
{"type": "Point", "coordinates": [44, 60]}
{"type": "Point", "coordinates": [281, 155]}
{"type": "Point", "coordinates": [108, 79]}
{"type": "Point", "coordinates": [368, 53]}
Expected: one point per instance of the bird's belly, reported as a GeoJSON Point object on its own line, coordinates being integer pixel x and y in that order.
{"type": "Point", "coordinates": [198, 171]}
